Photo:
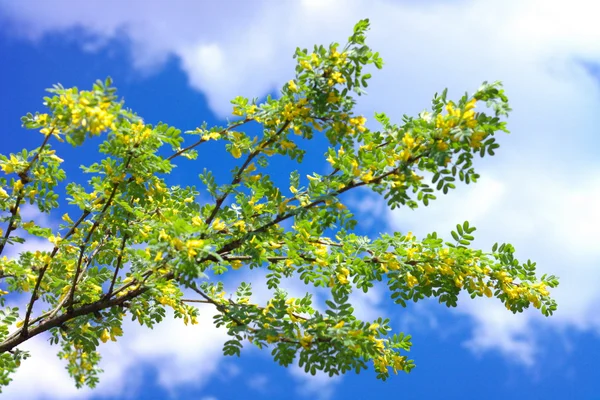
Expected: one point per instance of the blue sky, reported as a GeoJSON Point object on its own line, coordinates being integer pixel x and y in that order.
{"type": "Point", "coordinates": [181, 62]}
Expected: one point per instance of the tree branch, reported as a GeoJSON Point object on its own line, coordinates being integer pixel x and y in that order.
{"type": "Point", "coordinates": [23, 175]}
{"type": "Point", "coordinates": [199, 142]}
{"type": "Point", "coordinates": [238, 176]}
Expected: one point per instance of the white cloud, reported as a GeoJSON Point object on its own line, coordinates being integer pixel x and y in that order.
{"type": "Point", "coordinates": [179, 354]}
{"type": "Point", "coordinates": [49, 376]}
{"type": "Point", "coordinates": [182, 354]}
{"type": "Point", "coordinates": [550, 222]}
{"type": "Point", "coordinates": [495, 330]}
{"type": "Point", "coordinates": [541, 190]}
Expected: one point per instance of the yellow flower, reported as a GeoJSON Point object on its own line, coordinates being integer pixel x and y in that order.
{"type": "Point", "coordinates": [115, 331]}
{"type": "Point", "coordinates": [292, 86]}
{"type": "Point", "coordinates": [458, 281]}
{"type": "Point", "coordinates": [337, 77]}
{"type": "Point", "coordinates": [218, 225]}
{"type": "Point", "coordinates": [469, 115]}
{"type": "Point", "coordinates": [368, 177]}
{"type": "Point", "coordinates": [28, 225]}
{"type": "Point", "coordinates": [236, 264]}
{"type": "Point", "coordinates": [211, 135]}
{"type": "Point", "coordinates": [306, 341]}
{"type": "Point", "coordinates": [450, 108]}
{"type": "Point", "coordinates": [105, 336]}
{"type": "Point", "coordinates": [541, 288]}
{"type": "Point", "coordinates": [17, 186]}
{"type": "Point", "coordinates": [470, 105]}
{"type": "Point", "coordinates": [162, 235]}
{"type": "Point", "coordinates": [236, 152]}
{"type": "Point", "coordinates": [339, 325]}
{"type": "Point", "coordinates": [404, 155]}
{"type": "Point", "coordinates": [45, 131]}
{"type": "Point", "coordinates": [342, 276]}
{"type": "Point", "coordinates": [197, 221]}
{"type": "Point", "coordinates": [8, 168]}
{"type": "Point", "coordinates": [54, 239]}
{"type": "Point", "coordinates": [66, 218]}
{"type": "Point", "coordinates": [192, 246]}
{"type": "Point", "coordinates": [41, 118]}
{"type": "Point", "coordinates": [411, 281]}
{"type": "Point", "coordinates": [410, 253]}
{"type": "Point", "coordinates": [3, 193]}
{"type": "Point", "coordinates": [442, 146]}
{"type": "Point", "coordinates": [305, 65]}
{"type": "Point", "coordinates": [195, 243]}
{"type": "Point", "coordinates": [373, 326]}
{"type": "Point", "coordinates": [408, 140]}
{"type": "Point", "coordinates": [56, 158]}
{"type": "Point", "coordinates": [241, 225]}
{"type": "Point", "coordinates": [314, 58]}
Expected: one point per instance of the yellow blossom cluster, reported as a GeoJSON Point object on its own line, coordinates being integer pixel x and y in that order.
{"type": "Point", "coordinates": [397, 362]}
{"type": "Point", "coordinates": [342, 275]}
{"type": "Point", "coordinates": [111, 334]}
{"type": "Point", "coordinates": [455, 117]}
{"type": "Point", "coordinates": [11, 165]}
{"type": "Point", "coordinates": [336, 57]}
{"type": "Point", "coordinates": [193, 246]}
{"type": "Point", "coordinates": [86, 112]}
{"type": "Point", "coordinates": [336, 77]}
{"type": "Point", "coordinates": [357, 123]}
{"type": "Point", "coordinates": [136, 135]}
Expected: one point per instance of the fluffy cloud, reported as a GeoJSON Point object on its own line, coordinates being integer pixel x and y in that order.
{"type": "Point", "coordinates": [551, 222]}
{"type": "Point", "coordinates": [179, 354]}
{"type": "Point", "coordinates": [538, 193]}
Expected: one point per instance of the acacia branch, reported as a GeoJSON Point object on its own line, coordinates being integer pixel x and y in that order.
{"type": "Point", "coordinates": [90, 259]}
{"type": "Point", "coordinates": [119, 261]}
{"type": "Point", "coordinates": [238, 176]}
{"type": "Point", "coordinates": [100, 305]}
{"type": "Point", "coordinates": [24, 177]}
{"type": "Point", "coordinates": [199, 142]}
{"type": "Point", "coordinates": [15, 340]}
{"type": "Point", "coordinates": [219, 307]}
{"type": "Point", "coordinates": [87, 240]}
{"type": "Point", "coordinates": [42, 271]}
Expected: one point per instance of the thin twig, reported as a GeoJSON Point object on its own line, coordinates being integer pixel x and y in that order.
{"type": "Point", "coordinates": [23, 175]}
{"type": "Point", "coordinates": [238, 176]}
{"type": "Point", "coordinates": [118, 266]}
{"type": "Point", "coordinates": [199, 142]}
{"type": "Point", "coordinates": [86, 241]}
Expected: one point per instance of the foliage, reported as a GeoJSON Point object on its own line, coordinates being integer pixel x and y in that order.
{"type": "Point", "coordinates": [137, 244]}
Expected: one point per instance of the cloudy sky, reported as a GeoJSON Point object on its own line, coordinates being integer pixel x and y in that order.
{"type": "Point", "coordinates": [182, 61]}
